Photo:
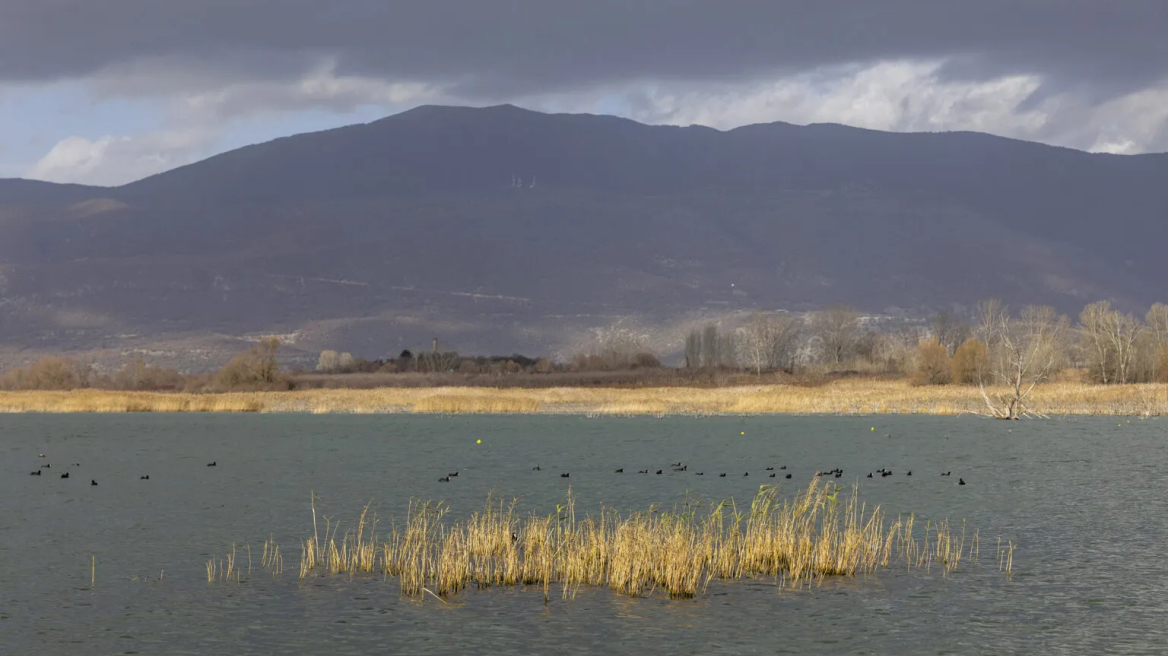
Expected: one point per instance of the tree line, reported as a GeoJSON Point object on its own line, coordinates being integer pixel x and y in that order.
{"type": "Point", "coordinates": [993, 348]}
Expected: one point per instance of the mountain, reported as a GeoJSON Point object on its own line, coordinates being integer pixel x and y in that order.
{"type": "Point", "coordinates": [502, 229]}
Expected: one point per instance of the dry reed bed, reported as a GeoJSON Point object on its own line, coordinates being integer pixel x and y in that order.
{"type": "Point", "coordinates": [841, 397]}
{"type": "Point", "coordinates": [798, 541]}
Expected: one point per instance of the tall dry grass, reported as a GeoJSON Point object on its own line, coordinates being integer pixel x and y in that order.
{"type": "Point", "coordinates": [799, 541]}
{"type": "Point", "coordinates": [866, 396]}
{"type": "Point", "coordinates": [108, 401]}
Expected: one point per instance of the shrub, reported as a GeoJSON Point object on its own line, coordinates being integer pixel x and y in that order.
{"type": "Point", "coordinates": [644, 361]}
{"type": "Point", "coordinates": [255, 368]}
{"type": "Point", "coordinates": [968, 361]}
{"type": "Point", "coordinates": [1162, 365]}
{"type": "Point", "coordinates": [932, 364]}
{"type": "Point", "coordinates": [137, 375]}
{"type": "Point", "coordinates": [51, 373]}
{"type": "Point", "coordinates": [333, 362]}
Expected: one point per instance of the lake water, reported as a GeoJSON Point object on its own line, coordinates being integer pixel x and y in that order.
{"type": "Point", "coordinates": [1084, 500]}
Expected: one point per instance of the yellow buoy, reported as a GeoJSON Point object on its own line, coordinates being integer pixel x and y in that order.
{"type": "Point", "coordinates": [873, 428]}
{"type": "Point", "coordinates": [479, 442]}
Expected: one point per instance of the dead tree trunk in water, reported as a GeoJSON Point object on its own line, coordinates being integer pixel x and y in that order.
{"type": "Point", "coordinates": [1022, 353]}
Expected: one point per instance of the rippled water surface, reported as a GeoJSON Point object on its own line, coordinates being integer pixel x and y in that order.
{"type": "Point", "coordinates": [1084, 499]}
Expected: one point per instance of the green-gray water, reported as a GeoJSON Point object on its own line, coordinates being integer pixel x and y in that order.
{"type": "Point", "coordinates": [1082, 499]}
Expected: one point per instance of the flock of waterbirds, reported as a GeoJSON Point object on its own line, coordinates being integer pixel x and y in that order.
{"type": "Point", "coordinates": [683, 467]}
{"type": "Point", "coordinates": [677, 467]}
{"type": "Point", "coordinates": [93, 481]}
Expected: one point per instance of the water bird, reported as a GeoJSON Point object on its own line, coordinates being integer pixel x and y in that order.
{"type": "Point", "coordinates": [47, 466]}
{"type": "Point", "coordinates": [783, 467]}
{"type": "Point", "coordinates": [771, 476]}
{"type": "Point", "coordinates": [643, 471]}
{"type": "Point", "coordinates": [76, 464]}
{"type": "Point", "coordinates": [770, 469]}
{"type": "Point", "coordinates": [681, 468]}
{"type": "Point", "coordinates": [885, 474]}
{"type": "Point", "coordinates": [839, 474]}
{"type": "Point", "coordinates": [700, 474]}
{"type": "Point", "coordinates": [213, 464]}
{"type": "Point", "coordinates": [92, 482]}
{"type": "Point", "coordinates": [535, 468]}
{"type": "Point", "coordinates": [65, 475]}
{"type": "Point", "coordinates": [676, 464]}
{"type": "Point", "coordinates": [620, 471]}
{"type": "Point", "coordinates": [746, 473]}
{"type": "Point", "coordinates": [35, 473]}
{"type": "Point", "coordinates": [444, 479]}
{"type": "Point", "coordinates": [41, 455]}
{"type": "Point", "coordinates": [144, 478]}
{"type": "Point", "coordinates": [788, 476]}
{"type": "Point", "coordinates": [564, 475]}
{"type": "Point", "coordinates": [961, 481]}
{"type": "Point", "coordinates": [454, 474]}
{"type": "Point", "coordinates": [869, 474]}
{"type": "Point", "coordinates": [722, 475]}
{"type": "Point", "coordinates": [909, 473]}
{"type": "Point", "coordinates": [658, 471]}
{"type": "Point", "coordinates": [946, 473]}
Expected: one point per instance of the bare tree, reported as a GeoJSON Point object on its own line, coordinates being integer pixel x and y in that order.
{"type": "Point", "coordinates": [838, 330]}
{"type": "Point", "coordinates": [768, 342]}
{"type": "Point", "coordinates": [693, 349]}
{"type": "Point", "coordinates": [1022, 353]}
{"type": "Point", "coordinates": [727, 351]}
{"type": "Point", "coordinates": [258, 365]}
{"type": "Point", "coordinates": [1157, 320]}
{"type": "Point", "coordinates": [708, 348]}
{"type": "Point", "coordinates": [335, 362]}
{"type": "Point", "coordinates": [710, 343]}
{"type": "Point", "coordinates": [1095, 344]}
{"type": "Point", "coordinates": [1109, 340]}
{"type": "Point", "coordinates": [265, 359]}
{"type": "Point", "coordinates": [1123, 330]}
{"type": "Point", "coordinates": [949, 330]}
{"type": "Point", "coordinates": [437, 361]}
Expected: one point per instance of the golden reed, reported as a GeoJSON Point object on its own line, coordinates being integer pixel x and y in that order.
{"type": "Point", "coordinates": [863, 396]}
{"type": "Point", "coordinates": [798, 541]}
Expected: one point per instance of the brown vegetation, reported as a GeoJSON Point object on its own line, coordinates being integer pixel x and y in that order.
{"type": "Point", "coordinates": [932, 364]}
{"type": "Point", "coordinates": [969, 362]}
{"type": "Point", "coordinates": [257, 368]}
{"type": "Point", "coordinates": [845, 396]}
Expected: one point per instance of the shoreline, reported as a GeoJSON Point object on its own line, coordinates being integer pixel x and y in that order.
{"type": "Point", "coordinates": [851, 397]}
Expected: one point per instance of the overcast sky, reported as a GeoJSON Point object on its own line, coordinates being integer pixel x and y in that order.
{"type": "Point", "coordinates": [108, 91]}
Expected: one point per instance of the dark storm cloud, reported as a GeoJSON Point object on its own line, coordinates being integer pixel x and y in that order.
{"type": "Point", "coordinates": [491, 47]}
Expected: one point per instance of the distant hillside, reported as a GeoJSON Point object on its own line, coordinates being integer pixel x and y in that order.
{"type": "Point", "coordinates": [502, 229]}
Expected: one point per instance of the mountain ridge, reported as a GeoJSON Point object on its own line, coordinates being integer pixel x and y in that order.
{"type": "Point", "coordinates": [437, 219]}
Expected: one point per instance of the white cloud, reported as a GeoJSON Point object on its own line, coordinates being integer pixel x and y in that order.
{"type": "Point", "coordinates": [113, 160]}
{"type": "Point", "coordinates": [320, 88]}
{"type": "Point", "coordinates": [902, 95]}
{"type": "Point", "coordinates": [195, 121]}
{"type": "Point", "coordinates": [908, 96]}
